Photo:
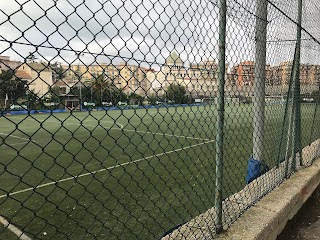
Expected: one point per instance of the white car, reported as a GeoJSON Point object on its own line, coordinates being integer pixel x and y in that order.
{"type": "Point", "coordinates": [122, 103]}
{"type": "Point", "coordinates": [18, 107]}
{"type": "Point", "coordinates": [107, 104]}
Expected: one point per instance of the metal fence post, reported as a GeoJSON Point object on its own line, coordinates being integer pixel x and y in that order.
{"type": "Point", "coordinates": [259, 80]}
{"type": "Point", "coordinates": [296, 130]}
{"type": "Point", "coordinates": [317, 103]}
{"type": "Point", "coordinates": [220, 117]}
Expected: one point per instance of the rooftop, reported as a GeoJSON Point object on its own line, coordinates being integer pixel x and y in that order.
{"type": "Point", "coordinates": [38, 66]}
{"type": "Point", "coordinates": [23, 75]}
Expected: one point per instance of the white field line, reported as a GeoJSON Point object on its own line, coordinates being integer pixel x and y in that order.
{"type": "Point", "coordinates": [14, 117]}
{"type": "Point", "coordinates": [13, 144]}
{"type": "Point", "coordinates": [101, 170]}
{"type": "Point", "coordinates": [16, 231]}
{"type": "Point", "coordinates": [166, 134]}
{"type": "Point", "coordinates": [10, 135]}
{"type": "Point", "coordinates": [121, 127]}
{"type": "Point", "coordinates": [198, 174]}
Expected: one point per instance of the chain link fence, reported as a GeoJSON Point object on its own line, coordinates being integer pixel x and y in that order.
{"type": "Point", "coordinates": [136, 119]}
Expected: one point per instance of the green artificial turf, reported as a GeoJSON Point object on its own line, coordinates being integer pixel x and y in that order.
{"type": "Point", "coordinates": [126, 174]}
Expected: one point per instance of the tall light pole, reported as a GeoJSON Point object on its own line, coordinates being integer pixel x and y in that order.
{"type": "Point", "coordinates": [101, 94]}
{"type": "Point", "coordinates": [91, 94]}
{"type": "Point", "coordinates": [110, 91]}
{"type": "Point", "coordinates": [5, 101]}
{"type": "Point", "coordinates": [119, 83]}
{"type": "Point", "coordinates": [101, 85]}
{"type": "Point", "coordinates": [165, 96]}
{"type": "Point", "coordinates": [79, 54]}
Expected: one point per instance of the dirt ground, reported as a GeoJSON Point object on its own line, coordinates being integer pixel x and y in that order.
{"type": "Point", "coordinates": [306, 224]}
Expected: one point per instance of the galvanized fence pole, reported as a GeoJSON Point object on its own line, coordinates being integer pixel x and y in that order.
{"type": "Point", "coordinates": [259, 80]}
{"type": "Point", "coordinates": [220, 116]}
{"type": "Point", "coordinates": [296, 130]}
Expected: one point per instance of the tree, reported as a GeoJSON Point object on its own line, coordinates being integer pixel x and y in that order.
{"type": "Point", "coordinates": [75, 90]}
{"type": "Point", "coordinates": [99, 88]}
{"type": "Point", "coordinates": [58, 73]}
{"type": "Point", "coordinates": [31, 58]}
{"type": "Point", "coordinates": [135, 99]}
{"type": "Point", "coordinates": [53, 93]}
{"type": "Point", "coordinates": [152, 99]}
{"type": "Point", "coordinates": [34, 101]}
{"type": "Point", "coordinates": [176, 93]}
{"type": "Point", "coordinates": [118, 95]}
{"type": "Point", "coordinates": [12, 86]}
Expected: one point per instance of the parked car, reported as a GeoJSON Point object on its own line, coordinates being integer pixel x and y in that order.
{"type": "Point", "coordinates": [107, 104]}
{"type": "Point", "coordinates": [122, 103]}
{"type": "Point", "coordinates": [18, 107]}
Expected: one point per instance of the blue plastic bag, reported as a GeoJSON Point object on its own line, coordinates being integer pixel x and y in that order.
{"type": "Point", "coordinates": [256, 168]}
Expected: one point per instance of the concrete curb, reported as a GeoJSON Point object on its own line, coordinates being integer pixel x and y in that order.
{"type": "Point", "coordinates": [267, 218]}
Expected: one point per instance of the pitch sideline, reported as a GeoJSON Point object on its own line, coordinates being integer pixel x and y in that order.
{"type": "Point", "coordinates": [101, 170]}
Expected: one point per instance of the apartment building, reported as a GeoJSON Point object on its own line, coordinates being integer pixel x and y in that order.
{"type": "Point", "coordinates": [243, 74]}
{"type": "Point", "coordinates": [280, 74]}
{"type": "Point", "coordinates": [6, 63]}
{"type": "Point", "coordinates": [37, 75]}
{"type": "Point", "coordinates": [128, 77]}
{"type": "Point", "coordinates": [132, 79]}
{"type": "Point", "coordinates": [199, 79]}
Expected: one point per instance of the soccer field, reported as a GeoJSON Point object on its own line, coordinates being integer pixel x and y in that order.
{"type": "Point", "coordinates": [125, 174]}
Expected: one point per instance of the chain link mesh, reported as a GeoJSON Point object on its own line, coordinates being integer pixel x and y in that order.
{"type": "Point", "coordinates": [109, 110]}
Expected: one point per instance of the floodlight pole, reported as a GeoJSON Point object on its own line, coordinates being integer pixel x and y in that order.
{"type": "Point", "coordinates": [5, 101]}
{"type": "Point", "coordinates": [91, 94]}
{"type": "Point", "coordinates": [80, 93]}
{"type": "Point", "coordinates": [120, 88]}
{"type": "Point", "coordinates": [220, 117]}
{"type": "Point", "coordinates": [259, 79]}
{"type": "Point", "coordinates": [79, 78]}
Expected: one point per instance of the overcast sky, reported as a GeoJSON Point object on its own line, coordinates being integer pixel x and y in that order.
{"type": "Point", "coordinates": [144, 31]}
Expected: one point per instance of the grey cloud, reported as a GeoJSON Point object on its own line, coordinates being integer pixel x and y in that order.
{"type": "Point", "coordinates": [144, 30]}
{"type": "Point", "coordinates": [138, 29]}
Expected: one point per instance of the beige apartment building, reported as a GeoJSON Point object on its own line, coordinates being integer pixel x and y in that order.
{"type": "Point", "coordinates": [6, 63]}
{"type": "Point", "coordinates": [199, 79]}
{"type": "Point", "coordinates": [133, 79]}
{"type": "Point", "coordinates": [128, 77]}
{"type": "Point", "coordinates": [38, 76]}
{"type": "Point", "coordinates": [279, 77]}
{"type": "Point", "coordinates": [279, 74]}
